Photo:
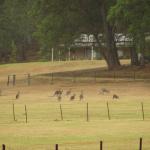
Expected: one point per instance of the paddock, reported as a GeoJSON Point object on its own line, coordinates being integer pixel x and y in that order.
{"type": "Point", "coordinates": [37, 120]}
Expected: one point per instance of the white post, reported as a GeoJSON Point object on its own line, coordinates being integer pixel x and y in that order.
{"type": "Point", "coordinates": [92, 53]}
{"type": "Point", "coordinates": [59, 55]}
{"type": "Point", "coordinates": [52, 59]}
{"type": "Point", "coordinates": [69, 53]}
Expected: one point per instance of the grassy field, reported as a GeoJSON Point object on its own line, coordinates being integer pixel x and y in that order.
{"type": "Point", "coordinates": [45, 127]}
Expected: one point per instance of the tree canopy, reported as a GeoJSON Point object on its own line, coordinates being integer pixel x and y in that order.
{"type": "Point", "coordinates": [29, 26]}
{"type": "Point", "coordinates": [133, 18]}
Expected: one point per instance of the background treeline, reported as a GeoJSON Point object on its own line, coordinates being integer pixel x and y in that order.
{"type": "Point", "coordinates": [30, 28]}
{"type": "Point", "coordinates": [17, 26]}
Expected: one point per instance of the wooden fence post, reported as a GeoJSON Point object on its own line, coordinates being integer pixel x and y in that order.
{"type": "Point", "coordinates": [52, 78]}
{"type": "Point", "coordinates": [108, 111]}
{"type": "Point", "coordinates": [74, 77]}
{"type": "Point", "coordinates": [134, 77]}
{"type": "Point", "coordinates": [87, 112]}
{"type": "Point", "coordinates": [14, 112]}
{"type": "Point", "coordinates": [140, 144]}
{"type": "Point", "coordinates": [29, 79]}
{"type": "Point", "coordinates": [101, 145]}
{"type": "Point", "coordinates": [56, 147]}
{"type": "Point", "coordinates": [114, 75]}
{"type": "Point", "coordinates": [142, 111]}
{"type": "Point", "coordinates": [8, 80]}
{"type": "Point", "coordinates": [3, 147]}
{"type": "Point", "coordinates": [95, 77]}
{"type": "Point", "coordinates": [14, 80]}
{"type": "Point", "coordinates": [26, 115]}
{"type": "Point", "coordinates": [61, 113]}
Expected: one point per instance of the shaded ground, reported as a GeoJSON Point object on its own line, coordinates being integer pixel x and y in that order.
{"type": "Point", "coordinates": [102, 72]}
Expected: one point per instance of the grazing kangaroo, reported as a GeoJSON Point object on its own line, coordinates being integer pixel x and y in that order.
{"type": "Point", "coordinates": [115, 96]}
{"type": "Point", "coordinates": [68, 92]}
{"type": "Point", "coordinates": [72, 97]}
{"type": "Point", "coordinates": [103, 91]}
{"type": "Point", "coordinates": [18, 95]}
{"type": "Point", "coordinates": [81, 96]}
{"type": "Point", "coordinates": [58, 92]}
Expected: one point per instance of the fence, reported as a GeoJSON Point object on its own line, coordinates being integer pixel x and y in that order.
{"type": "Point", "coordinates": [75, 76]}
{"type": "Point", "coordinates": [101, 146]}
{"type": "Point", "coordinates": [75, 112]}
{"type": "Point", "coordinates": [11, 79]}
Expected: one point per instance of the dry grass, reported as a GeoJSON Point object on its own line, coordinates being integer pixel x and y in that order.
{"type": "Point", "coordinates": [46, 67]}
{"type": "Point", "coordinates": [45, 128]}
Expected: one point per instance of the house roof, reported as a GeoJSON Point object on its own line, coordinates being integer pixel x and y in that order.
{"type": "Point", "coordinates": [89, 40]}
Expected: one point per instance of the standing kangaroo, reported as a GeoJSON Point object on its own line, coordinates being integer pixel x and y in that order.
{"type": "Point", "coordinates": [81, 97]}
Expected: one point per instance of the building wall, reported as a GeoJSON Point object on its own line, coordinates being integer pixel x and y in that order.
{"type": "Point", "coordinates": [85, 53]}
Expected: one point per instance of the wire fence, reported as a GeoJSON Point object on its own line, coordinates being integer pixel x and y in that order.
{"type": "Point", "coordinates": [76, 76]}
{"type": "Point", "coordinates": [81, 112]}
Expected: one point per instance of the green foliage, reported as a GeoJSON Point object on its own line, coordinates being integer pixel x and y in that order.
{"type": "Point", "coordinates": [63, 21]}
{"type": "Point", "coordinates": [16, 24]}
{"type": "Point", "coordinates": [56, 22]}
{"type": "Point", "coordinates": [132, 17]}
{"type": "Point", "coordinates": [13, 56]}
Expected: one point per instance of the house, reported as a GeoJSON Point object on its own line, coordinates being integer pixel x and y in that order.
{"type": "Point", "coordinates": [86, 47]}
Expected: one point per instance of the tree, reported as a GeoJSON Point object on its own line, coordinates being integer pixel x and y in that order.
{"type": "Point", "coordinates": [5, 34]}
{"type": "Point", "coordinates": [16, 26]}
{"type": "Point", "coordinates": [134, 16]}
{"type": "Point", "coordinates": [22, 24]}
{"type": "Point", "coordinates": [63, 21]}
{"type": "Point", "coordinates": [109, 33]}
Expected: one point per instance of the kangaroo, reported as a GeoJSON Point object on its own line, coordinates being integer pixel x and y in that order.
{"type": "Point", "coordinates": [72, 97]}
{"type": "Point", "coordinates": [68, 92]}
{"type": "Point", "coordinates": [18, 95]}
{"type": "Point", "coordinates": [57, 92]}
{"type": "Point", "coordinates": [115, 96]}
{"type": "Point", "coordinates": [81, 96]}
{"type": "Point", "coordinates": [103, 91]}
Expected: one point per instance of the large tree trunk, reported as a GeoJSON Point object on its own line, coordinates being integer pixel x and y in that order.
{"type": "Point", "coordinates": [111, 50]}
{"type": "Point", "coordinates": [142, 48]}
